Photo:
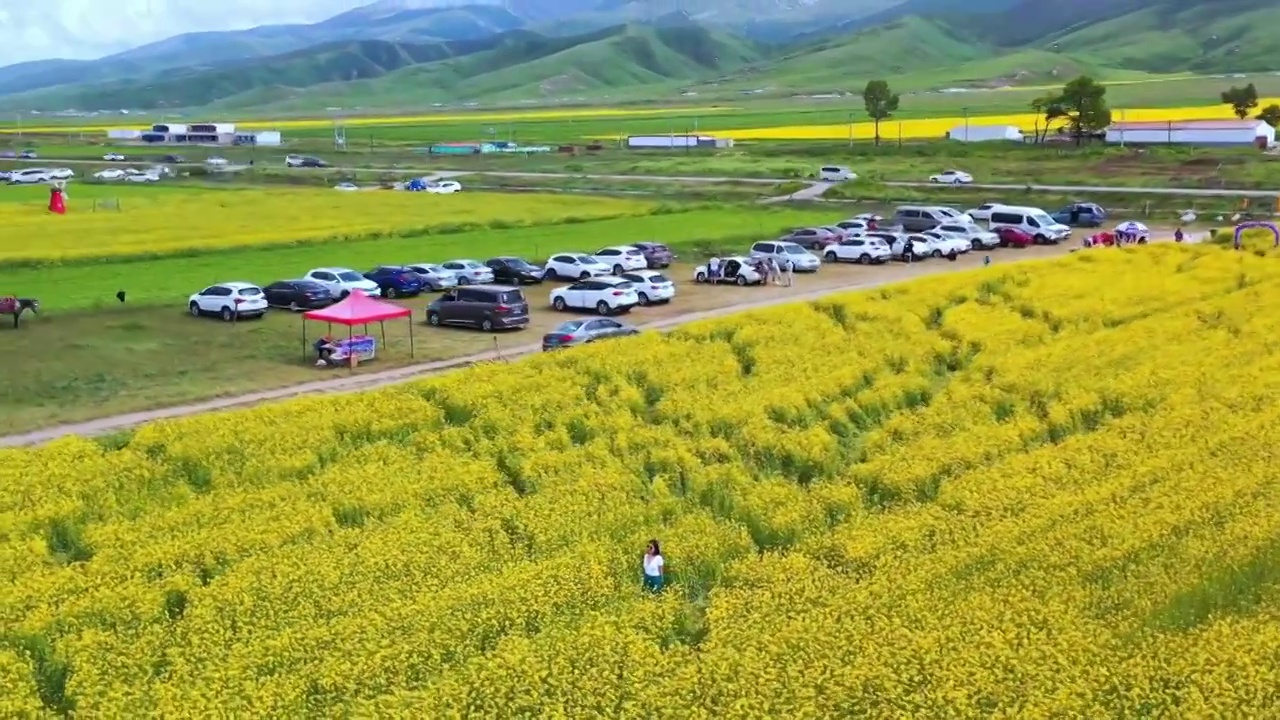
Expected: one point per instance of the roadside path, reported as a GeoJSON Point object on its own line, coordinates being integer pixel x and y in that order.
{"type": "Point", "coordinates": [392, 376]}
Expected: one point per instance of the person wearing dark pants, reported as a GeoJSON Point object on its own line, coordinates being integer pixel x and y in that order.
{"type": "Point", "coordinates": [654, 568]}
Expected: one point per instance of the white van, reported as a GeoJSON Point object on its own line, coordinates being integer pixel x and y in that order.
{"type": "Point", "coordinates": [30, 176]}
{"type": "Point", "coordinates": [1032, 221]}
{"type": "Point", "coordinates": [836, 173]}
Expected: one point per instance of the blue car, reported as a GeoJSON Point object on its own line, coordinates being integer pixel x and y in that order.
{"type": "Point", "coordinates": [397, 281]}
{"type": "Point", "coordinates": [1081, 215]}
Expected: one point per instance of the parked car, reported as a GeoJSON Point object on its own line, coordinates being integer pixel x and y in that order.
{"type": "Point", "coordinates": [836, 173]}
{"type": "Point", "coordinates": [581, 332]}
{"type": "Point", "coordinates": [814, 238]}
{"type": "Point", "coordinates": [983, 211]}
{"type": "Point", "coordinates": [945, 244]}
{"type": "Point", "coordinates": [952, 177]}
{"type": "Point", "coordinates": [230, 301]}
{"type": "Point", "coordinates": [971, 233]}
{"type": "Point", "coordinates": [298, 295]}
{"type": "Point", "coordinates": [488, 307]}
{"type": "Point", "coordinates": [29, 176]}
{"type": "Point", "coordinates": [444, 187]}
{"type": "Point", "coordinates": [216, 162]}
{"type": "Point", "coordinates": [296, 161]}
{"type": "Point", "coordinates": [853, 228]}
{"type": "Point", "coordinates": [28, 155]}
{"type": "Point", "coordinates": [341, 281]}
{"type": "Point", "coordinates": [514, 271]}
{"type": "Point", "coordinates": [605, 295]}
{"type": "Point", "coordinates": [469, 272]}
{"type": "Point", "coordinates": [651, 286]}
{"type": "Point", "coordinates": [574, 265]}
{"type": "Point", "coordinates": [862, 250]}
{"type": "Point", "coordinates": [346, 187]}
{"type": "Point", "coordinates": [782, 251]}
{"type": "Point", "coordinates": [921, 247]}
{"type": "Point", "coordinates": [113, 157]}
{"type": "Point", "coordinates": [621, 258]}
{"type": "Point", "coordinates": [1033, 221]}
{"type": "Point", "coordinates": [1015, 238]}
{"type": "Point", "coordinates": [110, 174]}
{"type": "Point", "coordinates": [146, 177]}
{"type": "Point", "coordinates": [7, 154]}
{"type": "Point", "coordinates": [61, 173]}
{"type": "Point", "coordinates": [435, 276]}
{"type": "Point", "coordinates": [737, 270]}
{"type": "Point", "coordinates": [173, 159]}
{"type": "Point", "coordinates": [659, 256]}
{"type": "Point", "coordinates": [918, 218]}
{"type": "Point", "coordinates": [1081, 215]}
{"type": "Point", "coordinates": [397, 281]}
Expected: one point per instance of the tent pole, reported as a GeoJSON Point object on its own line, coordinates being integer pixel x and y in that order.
{"type": "Point", "coordinates": [409, 319]}
{"type": "Point", "coordinates": [383, 325]}
{"type": "Point", "coordinates": [351, 368]}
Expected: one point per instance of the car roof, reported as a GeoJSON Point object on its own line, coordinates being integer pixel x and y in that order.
{"type": "Point", "coordinates": [334, 270]}
{"type": "Point", "coordinates": [492, 288]}
{"type": "Point", "coordinates": [422, 264]}
{"type": "Point", "coordinates": [610, 279]}
{"type": "Point", "coordinates": [644, 271]}
{"type": "Point", "coordinates": [620, 247]}
{"type": "Point", "coordinates": [237, 284]}
{"type": "Point", "coordinates": [464, 260]}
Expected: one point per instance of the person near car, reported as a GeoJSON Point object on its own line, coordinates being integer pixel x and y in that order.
{"type": "Point", "coordinates": [788, 272]}
{"type": "Point", "coordinates": [908, 250]}
{"type": "Point", "coordinates": [654, 567]}
{"type": "Point", "coordinates": [713, 270]}
{"type": "Point", "coordinates": [871, 224]}
{"type": "Point", "coordinates": [773, 273]}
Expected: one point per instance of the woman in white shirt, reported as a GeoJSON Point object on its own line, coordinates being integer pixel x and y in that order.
{"type": "Point", "coordinates": [653, 567]}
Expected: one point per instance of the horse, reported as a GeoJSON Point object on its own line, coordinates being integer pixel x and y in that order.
{"type": "Point", "coordinates": [15, 306]}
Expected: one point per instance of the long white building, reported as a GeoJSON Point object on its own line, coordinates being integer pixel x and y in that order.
{"type": "Point", "coordinates": [1238, 133]}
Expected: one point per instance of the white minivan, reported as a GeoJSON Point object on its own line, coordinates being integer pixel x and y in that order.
{"type": "Point", "coordinates": [836, 173]}
{"type": "Point", "coordinates": [29, 176]}
{"type": "Point", "coordinates": [1032, 221]}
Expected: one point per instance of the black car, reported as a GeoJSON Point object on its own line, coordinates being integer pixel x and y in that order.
{"type": "Point", "coordinates": [514, 270]}
{"type": "Point", "coordinates": [298, 295]}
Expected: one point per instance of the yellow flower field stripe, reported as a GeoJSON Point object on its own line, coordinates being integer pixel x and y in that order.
{"type": "Point", "coordinates": [424, 119]}
{"type": "Point", "coordinates": [1033, 490]}
{"type": "Point", "coordinates": [937, 128]}
{"type": "Point", "coordinates": [174, 220]}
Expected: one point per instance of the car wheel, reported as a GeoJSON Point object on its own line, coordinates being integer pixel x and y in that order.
{"type": "Point", "coordinates": [559, 304]}
{"type": "Point", "coordinates": [830, 257]}
{"type": "Point", "coordinates": [464, 280]}
{"type": "Point", "coordinates": [343, 295]}
{"type": "Point", "coordinates": [486, 325]}
{"type": "Point", "coordinates": [741, 280]}
{"type": "Point", "coordinates": [936, 254]}
{"type": "Point", "coordinates": [293, 306]}
{"type": "Point", "coordinates": [585, 276]}
{"type": "Point", "coordinates": [617, 270]}
{"type": "Point", "coordinates": [227, 314]}
{"type": "Point", "coordinates": [194, 309]}
{"type": "Point", "coordinates": [433, 318]}
{"type": "Point", "coordinates": [603, 308]}
{"type": "Point", "coordinates": [644, 299]}
{"type": "Point", "coordinates": [934, 180]}
{"type": "Point", "coordinates": [389, 292]}
{"type": "Point", "coordinates": [1042, 240]}
{"type": "Point", "coordinates": [700, 278]}
{"type": "Point", "coordinates": [864, 259]}
{"type": "Point", "coordinates": [976, 244]}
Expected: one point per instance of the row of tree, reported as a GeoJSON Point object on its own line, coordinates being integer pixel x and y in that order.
{"type": "Point", "coordinates": [1079, 109]}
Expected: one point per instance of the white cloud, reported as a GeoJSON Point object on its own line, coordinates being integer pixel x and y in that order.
{"type": "Point", "coordinates": [83, 29]}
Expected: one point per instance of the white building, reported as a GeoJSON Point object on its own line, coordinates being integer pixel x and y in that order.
{"type": "Point", "coordinates": [197, 134]}
{"type": "Point", "coordinates": [1193, 132]}
{"type": "Point", "coordinates": [985, 133]}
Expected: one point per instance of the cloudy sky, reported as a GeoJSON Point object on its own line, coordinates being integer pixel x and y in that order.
{"type": "Point", "coordinates": [81, 29]}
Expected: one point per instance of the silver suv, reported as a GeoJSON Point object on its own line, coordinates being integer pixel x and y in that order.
{"type": "Point", "coordinates": [782, 251]}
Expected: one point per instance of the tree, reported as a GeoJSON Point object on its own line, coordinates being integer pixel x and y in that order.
{"type": "Point", "coordinates": [1083, 103]}
{"type": "Point", "coordinates": [1049, 108]}
{"type": "Point", "coordinates": [1270, 115]}
{"type": "Point", "coordinates": [880, 102]}
{"type": "Point", "coordinates": [1241, 99]}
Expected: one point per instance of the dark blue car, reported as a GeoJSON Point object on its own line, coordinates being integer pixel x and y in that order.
{"type": "Point", "coordinates": [397, 280]}
{"type": "Point", "coordinates": [1081, 215]}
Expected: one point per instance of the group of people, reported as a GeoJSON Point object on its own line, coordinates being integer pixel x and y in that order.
{"type": "Point", "coordinates": [770, 269]}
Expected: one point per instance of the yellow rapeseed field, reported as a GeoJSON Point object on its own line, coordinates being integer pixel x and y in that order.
{"type": "Point", "coordinates": [1029, 491]}
{"type": "Point", "coordinates": [939, 127]}
{"type": "Point", "coordinates": [163, 220]}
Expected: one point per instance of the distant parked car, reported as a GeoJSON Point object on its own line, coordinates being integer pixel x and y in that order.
{"type": "Point", "coordinates": [945, 244]}
{"type": "Point", "coordinates": [782, 251]}
{"type": "Point", "coordinates": [295, 161]}
{"type": "Point", "coordinates": [575, 265]}
{"type": "Point", "coordinates": [952, 177]}
{"type": "Point", "coordinates": [444, 187]}
{"type": "Point", "coordinates": [141, 177]}
{"type": "Point", "coordinates": [346, 187]}
{"type": "Point", "coordinates": [110, 174]}
{"type": "Point", "coordinates": [736, 270]}
{"type": "Point", "coordinates": [28, 155]}
{"type": "Point", "coordinates": [862, 250]}
{"type": "Point", "coordinates": [173, 159]}
{"type": "Point", "coordinates": [581, 332]}
{"type": "Point", "coordinates": [605, 295]}
{"type": "Point", "coordinates": [230, 301]}
{"type": "Point", "coordinates": [61, 173]}
{"type": "Point", "coordinates": [651, 286]}
{"type": "Point", "coordinates": [812, 238]}
{"type": "Point", "coordinates": [514, 271]}
{"type": "Point", "coordinates": [216, 162]}
{"type": "Point", "coordinates": [971, 233]}
{"type": "Point", "coordinates": [621, 258]}
{"type": "Point", "coordinates": [8, 154]}
{"type": "Point", "coordinates": [298, 295]}
{"type": "Point", "coordinates": [488, 307]}
{"type": "Point", "coordinates": [836, 173]}
{"type": "Point", "coordinates": [1081, 215]}
{"type": "Point", "coordinates": [397, 281]}
{"type": "Point", "coordinates": [342, 281]}
{"type": "Point", "coordinates": [469, 272]}
{"type": "Point", "coordinates": [1013, 237]}
{"type": "Point", "coordinates": [435, 276]}
{"type": "Point", "coordinates": [659, 256]}
{"type": "Point", "coordinates": [113, 157]}
{"type": "Point", "coordinates": [29, 176]}
{"type": "Point", "coordinates": [983, 211]}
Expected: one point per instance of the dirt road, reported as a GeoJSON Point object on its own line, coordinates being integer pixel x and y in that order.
{"type": "Point", "coordinates": [807, 288]}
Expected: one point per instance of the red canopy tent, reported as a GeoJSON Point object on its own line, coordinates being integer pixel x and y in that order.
{"type": "Point", "coordinates": [358, 309]}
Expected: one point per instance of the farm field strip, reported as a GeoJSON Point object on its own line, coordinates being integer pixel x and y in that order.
{"type": "Point", "coordinates": [148, 224]}
{"type": "Point", "coordinates": [1051, 452]}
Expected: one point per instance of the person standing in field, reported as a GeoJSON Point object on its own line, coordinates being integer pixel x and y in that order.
{"type": "Point", "coordinates": [713, 270]}
{"type": "Point", "coordinates": [654, 567]}
{"type": "Point", "coordinates": [771, 271]}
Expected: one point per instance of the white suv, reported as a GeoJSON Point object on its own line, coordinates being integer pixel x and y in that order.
{"type": "Point", "coordinates": [574, 265]}
{"type": "Point", "coordinates": [862, 250]}
{"type": "Point", "coordinates": [341, 281]}
{"type": "Point", "coordinates": [605, 295]}
{"type": "Point", "coordinates": [230, 301]}
{"type": "Point", "coordinates": [622, 258]}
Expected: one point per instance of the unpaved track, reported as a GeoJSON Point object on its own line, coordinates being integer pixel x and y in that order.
{"type": "Point", "coordinates": [885, 275]}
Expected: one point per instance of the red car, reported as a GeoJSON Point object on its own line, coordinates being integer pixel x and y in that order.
{"type": "Point", "coordinates": [1013, 237]}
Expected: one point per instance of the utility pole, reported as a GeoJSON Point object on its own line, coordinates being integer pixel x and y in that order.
{"type": "Point", "coordinates": [966, 123]}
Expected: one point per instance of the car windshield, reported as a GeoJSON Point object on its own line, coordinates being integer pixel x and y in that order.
{"type": "Point", "coordinates": [634, 253]}
{"type": "Point", "coordinates": [309, 286]}
{"type": "Point", "coordinates": [1043, 219]}
{"type": "Point", "coordinates": [795, 250]}
{"type": "Point", "coordinates": [250, 292]}
{"type": "Point", "coordinates": [570, 326]}
{"type": "Point", "coordinates": [435, 269]}
{"type": "Point", "coordinates": [658, 278]}
{"type": "Point", "coordinates": [519, 263]}
{"type": "Point", "coordinates": [511, 297]}
{"type": "Point", "coordinates": [624, 286]}
{"type": "Point", "coordinates": [472, 264]}
{"type": "Point", "coordinates": [350, 276]}
{"type": "Point", "coordinates": [584, 259]}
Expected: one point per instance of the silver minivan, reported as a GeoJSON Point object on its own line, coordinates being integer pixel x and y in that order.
{"type": "Point", "coordinates": [782, 251]}
{"type": "Point", "coordinates": [918, 218]}
{"type": "Point", "coordinates": [836, 173]}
